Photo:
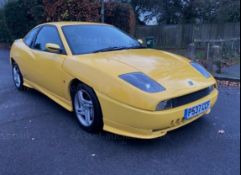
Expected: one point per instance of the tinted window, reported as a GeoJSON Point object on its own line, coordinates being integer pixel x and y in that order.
{"type": "Point", "coordinates": [84, 39]}
{"type": "Point", "coordinates": [47, 34]}
{"type": "Point", "coordinates": [30, 36]}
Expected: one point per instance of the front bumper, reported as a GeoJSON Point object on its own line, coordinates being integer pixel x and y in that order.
{"type": "Point", "coordinates": [128, 121]}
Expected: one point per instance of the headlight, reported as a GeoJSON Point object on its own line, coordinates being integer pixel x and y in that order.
{"type": "Point", "coordinates": [143, 82]}
{"type": "Point", "coordinates": [201, 69]}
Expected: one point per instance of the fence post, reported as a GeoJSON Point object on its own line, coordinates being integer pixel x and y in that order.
{"type": "Point", "coordinates": [102, 11]}
{"type": "Point", "coordinates": [215, 59]}
{"type": "Point", "coordinates": [192, 51]}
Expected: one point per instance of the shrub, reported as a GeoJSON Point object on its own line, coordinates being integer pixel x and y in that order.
{"type": "Point", "coordinates": [23, 15]}
{"type": "Point", "coordinates": [4, 32]}
{"type": "Point", "coordinates": [118, 14]}
{"type": "Point", "coordinates": [121, 15]}
{"type": "Point", "coordinates": [72, 10]}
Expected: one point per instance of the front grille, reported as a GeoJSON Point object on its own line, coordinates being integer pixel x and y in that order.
{"type": "Point", "coordinates": [186, 99]}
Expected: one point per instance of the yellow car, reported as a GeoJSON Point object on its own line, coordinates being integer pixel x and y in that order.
{"type": "Point", "coordinates": [110, 81]}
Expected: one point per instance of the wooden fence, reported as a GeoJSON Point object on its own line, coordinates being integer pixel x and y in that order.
{"type": "Point", "coordinates": [180, 36]}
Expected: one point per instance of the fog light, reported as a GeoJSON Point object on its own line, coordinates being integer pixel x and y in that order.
{"type": "Point", "coordinates": [211, 88]}
{"type": "Point", "coordinates": [164, 105]}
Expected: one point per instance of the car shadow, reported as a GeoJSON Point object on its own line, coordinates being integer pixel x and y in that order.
{"type": "Point", "coordinates": [180, 137]}
{"type": "Point", "coordinates": [184, 134]}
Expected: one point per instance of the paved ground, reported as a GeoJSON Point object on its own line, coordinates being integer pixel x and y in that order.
{"type": "Point", "coordinates": [233, 71]}
{"type": "Point", "coordinates": [37, 137]}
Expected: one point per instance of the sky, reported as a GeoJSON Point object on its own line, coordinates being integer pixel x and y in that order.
{"type": "Point", "coordinates": [153, 21]}
{"type": "Point", "coordinates": [2, 2]}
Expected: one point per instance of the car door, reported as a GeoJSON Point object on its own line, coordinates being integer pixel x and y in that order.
{"type": "Point", "coordinates": [27, 57]}
{"type": "Point", "coordinates": [48, 73]}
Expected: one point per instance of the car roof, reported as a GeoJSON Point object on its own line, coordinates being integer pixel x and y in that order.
{"type": "Point", "coordinates": [61, 24]}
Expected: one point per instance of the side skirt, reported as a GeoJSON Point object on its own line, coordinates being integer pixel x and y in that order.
{"type": "Point", "coordinates": [62, 102]}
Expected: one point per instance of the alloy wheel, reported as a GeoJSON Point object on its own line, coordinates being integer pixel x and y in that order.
{"type": "Point", "coordinates": [84, 108]}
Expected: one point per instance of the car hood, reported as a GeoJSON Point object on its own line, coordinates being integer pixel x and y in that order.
{"type": "Point", "coordinates": [171, 71]}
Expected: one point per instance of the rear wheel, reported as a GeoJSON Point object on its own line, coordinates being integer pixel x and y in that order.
{"type": "Point", "coordinates": [87, 109]}
{"type": "Point", "coordinates": [17, 77]}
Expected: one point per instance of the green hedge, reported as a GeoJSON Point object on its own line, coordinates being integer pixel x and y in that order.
{"type": "Point", "coordinates": [22, 15]}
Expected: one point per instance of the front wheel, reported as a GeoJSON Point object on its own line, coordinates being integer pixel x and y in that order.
{"type": "Point", "coordinates": [87, 109]}
{"type": "Point", "coordinates": [17, 77]}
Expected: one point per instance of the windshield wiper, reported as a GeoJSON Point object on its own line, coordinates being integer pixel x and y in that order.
{"type": "Point", "coordinates": [109, 49]}
{"type": "Point", "coordinates": [136, 47]}
{"type": "Point", "coordinates": [118, 48]}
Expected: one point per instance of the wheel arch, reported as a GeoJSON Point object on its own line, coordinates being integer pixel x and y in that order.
{"type": "Point", "coordinates": [73, 88]}
{"type": "Point", "coordinates": [12, 61]}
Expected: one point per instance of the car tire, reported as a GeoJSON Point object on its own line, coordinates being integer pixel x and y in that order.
{"type": "Point", "coordinates": [87, 109]}
{"type": "Point", "coordinates": [17, 77]}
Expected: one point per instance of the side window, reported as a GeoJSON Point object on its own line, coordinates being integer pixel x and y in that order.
{"type": "Point", "coordinates": [47, 34]}
{"type": "Point", "coordinates": [29, 38]}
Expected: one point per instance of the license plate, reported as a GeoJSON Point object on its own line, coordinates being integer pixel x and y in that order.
{"type": "Point", "coordinates": [196, 110]}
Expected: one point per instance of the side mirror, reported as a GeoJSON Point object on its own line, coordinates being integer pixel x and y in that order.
{"type": "Point", "coordinates": [53, 48]}
{"type": "Point", "coordinates": [141, 41]}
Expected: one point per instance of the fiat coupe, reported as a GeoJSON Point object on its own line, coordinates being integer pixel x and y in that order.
{"type": "Point", "coordinates": [110, 81]}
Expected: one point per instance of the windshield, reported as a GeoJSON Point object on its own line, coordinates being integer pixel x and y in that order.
{"type": "Point", "coordinates": [85, 39]}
